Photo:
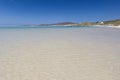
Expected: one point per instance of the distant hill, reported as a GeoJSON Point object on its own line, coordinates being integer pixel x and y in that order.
{"type": "Point", "coordinates": [64, 23]}
{"type": "Point", "coordinates": [58, 24]}
{"type": "Point", "coordinates": [109, 23]}
{"type": "Point", "coordinates": [112, 22]}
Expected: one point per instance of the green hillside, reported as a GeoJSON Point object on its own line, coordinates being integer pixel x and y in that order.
{"type": "Point", "coordinates": [112, 22]}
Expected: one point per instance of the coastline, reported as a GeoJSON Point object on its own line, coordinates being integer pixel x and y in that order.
{"type": "Point", "coordinates": [107, 26]}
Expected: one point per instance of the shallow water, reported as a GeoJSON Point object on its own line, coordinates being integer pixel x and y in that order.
{"type": "Point", "coordinates": [59, 53]}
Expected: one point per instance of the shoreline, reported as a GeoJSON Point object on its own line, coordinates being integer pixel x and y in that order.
{"type": "Point", "coordinates": [107, 26]}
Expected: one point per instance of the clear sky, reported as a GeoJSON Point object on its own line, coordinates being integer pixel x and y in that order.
{"type": "Point", "coordinates": [52, 11]}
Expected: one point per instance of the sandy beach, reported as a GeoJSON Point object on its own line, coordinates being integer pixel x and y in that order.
{"type": "Point", "coordinates": [60, 54]}
{"type": "Point", "coordinates": [114, 26]}
{"type": "Point", "coordinates": [107, 26]}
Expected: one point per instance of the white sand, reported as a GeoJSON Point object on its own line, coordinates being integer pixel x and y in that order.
{"type": "Point", "coordinates": [60, 54]}
{"type": "Point", "coordinates": [107, 26]}
{"type": "Point", "coordinates": [114, 26]}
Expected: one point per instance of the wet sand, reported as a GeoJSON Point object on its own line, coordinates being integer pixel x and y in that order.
{"type": "Point", "coordinates": [60, 54]}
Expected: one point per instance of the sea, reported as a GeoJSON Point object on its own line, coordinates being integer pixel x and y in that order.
{"type": "Point", "coordinates": [59, 53]}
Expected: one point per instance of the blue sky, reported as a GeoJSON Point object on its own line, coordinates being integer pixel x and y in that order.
{"type": "Point", "coordinates": [52, 11]}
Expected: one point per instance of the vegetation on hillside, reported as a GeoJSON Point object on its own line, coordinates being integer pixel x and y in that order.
{"type": "Point", "coordinates": [112, 22]}
{"type": "Point", "coordinates": [109, 23]}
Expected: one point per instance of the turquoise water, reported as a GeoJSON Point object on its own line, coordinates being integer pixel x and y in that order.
{"type": "Point", "coordinates": [24, 27]}
{"type": "Point", "coordinates": [88, 35]}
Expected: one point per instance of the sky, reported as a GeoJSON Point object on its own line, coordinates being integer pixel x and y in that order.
{"type": "Point", "coordinates": [53, 11]}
